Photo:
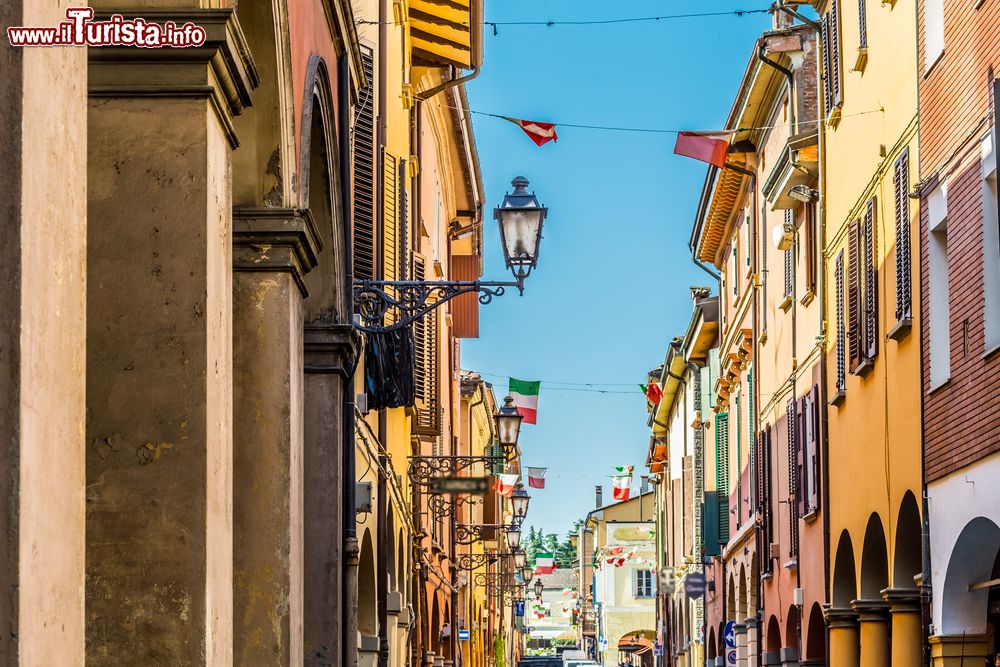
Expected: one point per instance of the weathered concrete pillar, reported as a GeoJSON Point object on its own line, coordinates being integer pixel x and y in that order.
{"type": "Point", "coordinates": [368, 652]}
{"type": "Point", "coordinates": [741, 645]}
{"type": "Point", "coordinates": [873, 616]}
{"type": "Point", "coordinates": [904, 606]}
{"type": "Point", "coordinates": [844, 643]}
{"type": "Point", "coordinates": [273, 248]}
{"type": "Point", "coordinates": [753, 640]}
{"type": "Point", "coordinates": [789, 657]}
{"type": "Point", "coordinates": [771, 659]}
{"type": "Point", "coordinates": [43, 223]}
{"type": "Point", "coordinates": [330, 352]}
{"type": "Point", "coordinates": [959, 650]}
{"type": "Point", "coordinates": [159, 347]}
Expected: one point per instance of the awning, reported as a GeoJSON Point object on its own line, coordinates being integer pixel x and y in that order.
{"type": "Point", "coordinates": [446, 32]}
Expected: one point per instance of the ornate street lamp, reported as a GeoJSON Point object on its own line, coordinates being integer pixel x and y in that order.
{"type": "Point", "coordinates": [539, 587]}
{"type": "Point", "coordinates": [520, 559]}
{"type": "Point", "coordinates": [519, 502]}
{"type": "Point", "coordinates": [508, 421]}
{"type": "Point", "coordinates": [520, 216]}
{"type": "Point", "coordinates": [514, 536]}
{"type": "Point", "coordinates": [527, 574]}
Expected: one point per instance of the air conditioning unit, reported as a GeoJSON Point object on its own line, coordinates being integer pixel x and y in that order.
{"type": "Point", "coordinates": [774, 550]}
{"type": "Point", "coordinates": [782, 235]}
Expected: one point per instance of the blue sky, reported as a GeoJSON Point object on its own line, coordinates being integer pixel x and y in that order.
{"type": "Point", "coordinates": [610, 290]}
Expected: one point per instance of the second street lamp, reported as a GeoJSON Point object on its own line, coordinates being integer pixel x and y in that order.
{"type": "Point", "coordinates": [514, 536]}
{"type": "Point", "coordinates": [519, 502]}
{"type": "Point", "coordinates": [527, 574]}
{"type": "Point", "coordinates": [520, 559]}
{"type": "Point", "coordinates": [539, 587]}
{"type": "Point", "coordinates": [508, 420]}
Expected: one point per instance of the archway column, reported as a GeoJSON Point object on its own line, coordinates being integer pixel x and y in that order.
{"type": "Point", "coordinates": [753, 640]}
{"type": "Point", "coordinates": [873, 616]}
{"type": "Point", "coordinates": [959, 650]}
{"type": "Point", "coordinates": [904, 606]}
{"type": "Point", "coordinates": [789, 657]}
{"type": "Point", "coordinates": [844, 642]}
{"type": "Point", "coordinates": [159, 529]}
{"type": "Point", "coordinates": [273, 248]}
{"type": "Point", "coordinates": [741, 645]}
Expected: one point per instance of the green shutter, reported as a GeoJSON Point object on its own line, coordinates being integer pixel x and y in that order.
{"type": "Point", "coordinates": [722, 473]}
{"type": "Point", "coordinates": [710, 524]}
{"type": "Point", "coordinates": [751, 442]}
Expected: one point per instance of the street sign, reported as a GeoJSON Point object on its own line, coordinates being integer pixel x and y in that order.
{"type": "Point", "coordinates": [731, 656]}
{"type": "Point", "coordinates": [694, 585]}
{"type": "Point", "coordinates": [730, 634]}
{"type": "Point", "coordinates": [453, 485]}
{"type": "Point", "coordinates": [519, 608]}
{"type": "Point", "coordinates": [463, 635]}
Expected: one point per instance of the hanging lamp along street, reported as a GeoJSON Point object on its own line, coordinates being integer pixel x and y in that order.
{"type": "Point", "coordinates": [525, 395]}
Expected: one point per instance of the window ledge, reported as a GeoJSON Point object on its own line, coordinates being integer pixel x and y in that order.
{"type": "Point", "coordinates": [767, 576]}
{"type": "Point", "coordinates": [838, 398]}
{"type": "Point", "coordinates": [901, 330]}
{"type": "Point", "coordinates": [811, 516]}
{"type": "Point", "coordinates": [991, 352]}
{"type": "Point", "coordinates": [862, 60]}
{"type": "Point", "coordinates": [793, 564]}
{"type": "Point", "coordinates": [807, 298]}
{"type": "Point", "coordinates": [939, 385]}
{"type": "Point", "coordinates": [787, 303]}
{"type": "Point", "coordinates": [865, 367]}
{"type": "Point", "coordinates": [763, 338]}
{"type": "Point", "coordinates": [833, 118]}
{"type": "Point", "coordinates": [933, 64]}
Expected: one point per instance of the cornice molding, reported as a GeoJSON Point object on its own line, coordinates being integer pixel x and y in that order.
{"type": "Point", "coordinates": [221, 69]}
{"type": "Point", "coordinates": [276, 239]}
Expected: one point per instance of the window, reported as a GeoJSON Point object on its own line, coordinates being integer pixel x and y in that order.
{"type": "Point", "coordinates": [933, 32]}
{"type": "Point", "coordinates": [722, 473]}
{"type": "Point", "coordinates": [871, 283]}
{"type": "Point", "coordinates": [810, 487]}
{"type": "Point", "coordinates": [403, 222]}
{"type": "Point", "coordinates": [752, 451]}
{"type": "Point", "coordinates": [764, 483]}
{"type": "Point", "coordinates": [862, 25]}
{"type": "Point", "coordinates": [901, 187]}
{"type": "Point", "coordinates": [363, 155]}
{"type": "Point", "coordinates": [862, 291]}
{"type": "Point", "coordinates": [794, 464]}
{"type": "Point", "coordinates": [841, 342]}
{"type": "Point", "coordinates": [642, 584]}
{"type": "Point", "coordinates": [939, 317]}
{"type": "Point", "coordinates": [789, 259]}
{"type": "Point", "coordinates": [763, 268]}
{"type": "Point", "coordinates": [830, 36]}
{"type": "Point", "coordinates": [853, 295]}
{"type": "Point", "coordinates": [991, 239]}
{"type": "Point", "coordinates": [810, 248]}
{"type": "Point", "coordinates": [390, 217]}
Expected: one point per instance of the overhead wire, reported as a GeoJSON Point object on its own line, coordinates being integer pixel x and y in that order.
{"type": "Point", "coordinates": [580, 22]}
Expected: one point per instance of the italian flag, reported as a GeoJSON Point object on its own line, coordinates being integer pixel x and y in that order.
{"type": "Point", "coordinates": [525, 395]}
{"type": "Point", "coordinates": [544, 563]}
{"type": "Point", "coordinates": [505, 485]}
{"type": "Point", "coordinates": [624, 470]}
{"type": "Point", "coordinates": [536, 478]}
{"type": "Point", "coordinates": [622, 487]}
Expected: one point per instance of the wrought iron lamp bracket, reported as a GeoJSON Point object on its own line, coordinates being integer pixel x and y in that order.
{"type": "Point", "coordinates": [440, 507]}
{"type": "Point", "coordinates": [470, 533]}
{"type": "Point", "coordinates": [423, 468]}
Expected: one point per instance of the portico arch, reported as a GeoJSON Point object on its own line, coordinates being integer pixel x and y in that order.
{"type": "Point", "coordinates": [906, 562]}
{"type": "Point", "coordinates": [845, 587]}
{"type": "Point", "coordinates": [874, 560]}
{"type": "Point", "coordinates": [367, 620]}
{"type": "Point", "coordinates": [815, 635]}
{"type": "Point", "coordinates": [972, 562]}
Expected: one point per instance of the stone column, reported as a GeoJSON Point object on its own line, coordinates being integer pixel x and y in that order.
{"type": "Point", "coordinates": [844, 643]}
{"type": "Point", "coordinates": [273, 248]}
{"type": "Point", "coordinates": [43, 277]}
{"type": "Point", "coordinates": [753, 640]}
{"type": "Point", "coordinates": [873, 616]}
{"type": "Point", "coordinates": [904, 606]}
{"type": "Point", "coordinates": [772, 659]}
{"type": "Point", "coordinates": [789, 657]}
{"type": "Point", "coordinates": [741, 645]}
{"type": "Point", "coordinates": [330, 352]}
{"type": "Point", "coordinates": [959, 650]}
{"type": "Point", "coordinates": [159, 346]}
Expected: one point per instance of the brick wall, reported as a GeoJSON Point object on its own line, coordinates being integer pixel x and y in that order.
{"type": "Point", "coordinates": [961, 418]}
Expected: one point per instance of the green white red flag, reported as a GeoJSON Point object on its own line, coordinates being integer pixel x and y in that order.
{"type": "Point", "coordinates": [621, 486]}
{"type": "Point", "coordinates": [544, 563]}
{"type": "Point", "coordinates": [653, 392]}
{"type": "Point", "coordinates": [505, 485]}
{"type": "Point", "coordinates": [525, 395]}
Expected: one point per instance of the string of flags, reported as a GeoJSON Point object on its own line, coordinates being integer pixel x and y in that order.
{"type": "Point", "coordinates": [525, 395]}
{"type": "Point", "coordinates": [653, 392]}
{"type": "Point", "coordinates": [621, 482]}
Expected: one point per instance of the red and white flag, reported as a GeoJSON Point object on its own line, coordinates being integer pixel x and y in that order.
{"type": "Point", "coordinates": [622, 487]}
{"type": "Point", "coordinates": [505, 485]}
{"type": "Point", "coordinates": [704, 146]}
{"type": "Point", "coordinates": [537, 131]}
{"type": "Point", "coordinates": [536, 478]}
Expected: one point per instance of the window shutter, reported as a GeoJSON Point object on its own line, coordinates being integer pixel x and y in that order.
{"type": "Point", "coordinates": [390, 218]}
{"type": "Point", "coordinates": [827, 74]}
{"type": "Point", "coordinates": [841, 343]}
{"type": "Point", "coordinates": [862, 25]}
{"type": "Point", "coordinates": [425, 366]}
{"type": "Point", "coordinates": [853, 295]}
{"type": "Point", "coordinates": [835, 55]}
{"type": "Point", "coordinates": [768, 457]}
{"type": "Point", "coordinates": [793, 486]}
{"type": "Point", "coordinates": [363, 156]}
{"type": "Point", "coordinates": [813, 451]}
{"type": "Point", "coordinates": [901, 181]}
{"type": "Point", "coordinates": [871, 282]}
{"type": "Point", "coordinates": [739, 460]}
{"type": "Point", "coordinates": [763, 265]}
{"type": "Point", "coordinates": [800, 461]}
{"type": "Point", "coordinates": [751, 442]}
{"type": "Point", "coordinates": [710, 524]}
{"type": "Point", "coordinates": [789, 268]}
{"type": "Point", "coordinates": [722, 473]}
{"type": "Point", "coordinates": [403, 264]}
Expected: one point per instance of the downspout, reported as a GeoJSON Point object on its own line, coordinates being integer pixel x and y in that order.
{"type": "Point", "coordinates": [349, 582]}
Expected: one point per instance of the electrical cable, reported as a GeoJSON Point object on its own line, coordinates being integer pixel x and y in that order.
{"type": "Point", "coordinates": [583, 22]}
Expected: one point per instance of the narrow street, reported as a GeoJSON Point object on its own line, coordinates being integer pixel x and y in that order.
{"type": "Point", "coordinates": [500, 333]}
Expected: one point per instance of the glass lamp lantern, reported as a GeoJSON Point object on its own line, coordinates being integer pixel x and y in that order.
{"type": "Point", "coordinates": [520, 559]}
{"type": "Point", "coordinates": [527, 574]}
{"type": "Point", "coordinates": [508, 421]}
{"type": "Point", "coordinates": [539, 587]}
{"type": "Point", "coordinates": [521, 217]}
{"type": "Point", "coordinates": [514, 536]}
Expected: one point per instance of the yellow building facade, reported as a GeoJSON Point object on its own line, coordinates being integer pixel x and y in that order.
{"type": "Point", "coordinates": [868, 148]}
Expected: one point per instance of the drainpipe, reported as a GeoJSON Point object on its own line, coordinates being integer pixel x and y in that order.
{"type": "Point", "coordinates": [476, 19]}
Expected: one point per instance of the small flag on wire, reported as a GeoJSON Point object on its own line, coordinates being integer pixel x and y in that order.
{"type": "Point", "coordinates": [624, 470]}
{"type": "Point", "coordinates": [544, 563]}
{"type": "Point", "coordinates": [537, 131]}
{"type": "Point", "coordinates": [704, 146]}
{"type": "Point", "coordinates": [536, 477]}
{"type": "Point", "coordinates": [525, 395]}
{"type": "Point", "coordinates": [505, 485]}
{"type": "Point", "coordinates": [622, 486]}
{"type": "Point", "coordinates": [653, 392]}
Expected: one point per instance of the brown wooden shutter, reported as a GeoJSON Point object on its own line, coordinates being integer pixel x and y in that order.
{"type": "Point", "coordinates": [901, 183]}
{"type": "Point", "coordinates": [871, 282]}
{"type": "Point", "coordinates": [425, 366]}
{"type": "Point", "coordinates": [841, 334]}
{"type": "Point", "coordinates": [403, 223]}
{"type": "Point", "coordinates": [793, 469]}
{"type": "Point", "coordinates": [835, 55]}
{"type": "Point", "coordinates": [853, 295]}
{"type": "Point", "coordinates": [766, 497]}
{"type": "Point", "coordinates": [862, 25]}
{"type": "Point", "coordinates": [814, 440]}
{"type": "Point", "coordinates": [390, 219]}
{"type": "Point", "coordinates": [465, 308]}
{"type": "Point", "coordinates": [810, 247]}
{"type": "Point", "coordinates": [827, 74]}
{"type": "Point", "coordinates": [363, 156]}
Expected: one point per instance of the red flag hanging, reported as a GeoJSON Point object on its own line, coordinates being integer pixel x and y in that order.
{"type": "Point", "coordinates": [537, 131]}
{"type": "Point", "coordinates": [707, 148]}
